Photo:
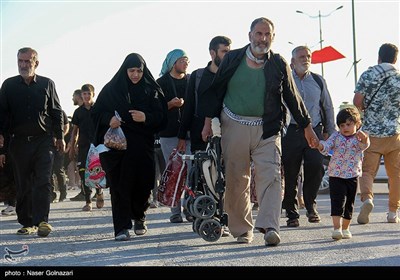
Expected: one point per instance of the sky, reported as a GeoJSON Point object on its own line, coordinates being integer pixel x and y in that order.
{"type": "Point", "coordinates": [86, 41]}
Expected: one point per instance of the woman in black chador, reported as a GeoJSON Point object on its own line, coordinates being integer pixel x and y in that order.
{"type": "Point", "coordinates": [138, 99]}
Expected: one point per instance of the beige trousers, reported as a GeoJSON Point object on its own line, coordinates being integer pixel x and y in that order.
{"type": "Point", "coordinates": [389, 147]}
{"type": "Point", "coordinates": [241, 144]}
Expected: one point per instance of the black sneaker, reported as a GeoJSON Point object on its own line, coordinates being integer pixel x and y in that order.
{"type": "Point", "coordinates": [123, 235]}
{"type": "Point", "coordinates": [79, 197]}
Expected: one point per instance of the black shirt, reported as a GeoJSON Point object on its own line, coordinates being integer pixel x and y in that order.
{"type": "Point", "coordinates": [194, 113]}
{"type": "Point", "coordinates": [172, 88]}
{"type": "Point", "coordinates": [32, 109]}
{"type": "Point", "coordinates": [82, 119]}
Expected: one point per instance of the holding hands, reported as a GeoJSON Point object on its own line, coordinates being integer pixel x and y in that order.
{"type": "Point", "coordinates": [362, 136]}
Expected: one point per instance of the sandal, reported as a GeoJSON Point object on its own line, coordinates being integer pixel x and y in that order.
{"type": "Point", "coordinates": [44, 229]}
{"type": "Point", "coordinates": [27, 230]}
{"type": "Point", "coordinates": [293, 223]}
{"type": "Point", "coordinates": [140, 227]}
{"type": "Point", "coordinates": [100, 200]}
{"type": "Point", "coordinates": [313, 218]}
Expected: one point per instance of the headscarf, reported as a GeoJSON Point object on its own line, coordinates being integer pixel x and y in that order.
{"type": "Point", "coordinates": [115, 94]}
{"type": "Point", "coordinates": [170, 60]}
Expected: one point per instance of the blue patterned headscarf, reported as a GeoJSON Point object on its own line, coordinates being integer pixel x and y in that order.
{"type": "Point", "coordinates": [170, 60]}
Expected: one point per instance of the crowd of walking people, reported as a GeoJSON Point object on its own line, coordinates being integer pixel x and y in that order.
{"type": "Point", "coordinates": [277, 122]}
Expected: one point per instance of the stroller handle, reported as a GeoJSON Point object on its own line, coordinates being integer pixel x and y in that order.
{"type": "Point", "coordinates": [187, 157]}
{"type": "Point", "coordinates": [216, 127]}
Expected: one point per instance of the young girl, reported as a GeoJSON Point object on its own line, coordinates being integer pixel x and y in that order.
{"type": "Point", "coordinates": [344, 168]}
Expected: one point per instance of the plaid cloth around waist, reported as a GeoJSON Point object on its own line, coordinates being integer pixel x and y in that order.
{"type": "Point", "coordinates": [239, 119]}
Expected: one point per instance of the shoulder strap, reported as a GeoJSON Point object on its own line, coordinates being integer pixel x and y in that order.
{"type": "Point", "coordinates": [199, 74]}
{"type": "Point", "coordinates": [318, 80]}
{"type": "Point", "coordinates": [366, 105]}
{"type": "Point", "coordinates": [321, 86]}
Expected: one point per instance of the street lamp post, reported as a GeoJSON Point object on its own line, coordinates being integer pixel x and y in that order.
{"type": "Point", "coordinates": [319, 16]}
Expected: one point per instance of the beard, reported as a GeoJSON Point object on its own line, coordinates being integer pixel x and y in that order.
{"type": "Point", "coordinates": [25, 73]}
{"type": "Point", "coordinates": [302, 68]}
{"type": "Point", "coordinates": [259, 50]}
{"type": "Point", "coordinates": [217, 61]}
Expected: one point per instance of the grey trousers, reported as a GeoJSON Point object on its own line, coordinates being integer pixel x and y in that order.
{"type": "Point", "coordinates": [241, 144]}
{"type": "Point", "coordinates": [167, 145]}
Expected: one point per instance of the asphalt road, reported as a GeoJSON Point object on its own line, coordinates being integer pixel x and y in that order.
{"type": "Point", "coordinates": [84, 240]}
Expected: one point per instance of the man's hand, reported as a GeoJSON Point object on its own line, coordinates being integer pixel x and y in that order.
{"type": "Point", "coordinates": [207, 131]}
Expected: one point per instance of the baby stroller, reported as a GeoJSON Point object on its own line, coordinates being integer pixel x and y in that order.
{"type": "Point", "coordinates": [205, 189]}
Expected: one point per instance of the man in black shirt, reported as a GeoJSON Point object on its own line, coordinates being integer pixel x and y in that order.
{"type": "Point", "coordinates": [31, 103]}
{"type": "Point", "coordinates": [195, 103]}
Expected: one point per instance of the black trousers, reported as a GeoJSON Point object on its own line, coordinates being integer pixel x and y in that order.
{"type": "Point", "coordinates": [128, 187]}
{"type": "Point", "coordinates": [343, 193]}
{"type": "Point", "coordinates": [295, 151]}
{"type": "Point", "coordinates": [59, 172]}
{"type": "Point", "coordinates": [32, 160]}
{"type": "Point", "coordinates": [160, 166]}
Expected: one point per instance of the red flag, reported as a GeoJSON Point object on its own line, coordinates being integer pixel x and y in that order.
{"type": "Point", "coordinates": [326, 54]}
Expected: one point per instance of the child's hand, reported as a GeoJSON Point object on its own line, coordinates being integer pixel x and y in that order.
{"type": "Point", "coordinates": [361, 136]}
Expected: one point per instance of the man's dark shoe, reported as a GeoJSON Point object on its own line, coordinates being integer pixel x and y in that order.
{"type": "Point", "coordinates": [79, 197]}
{"type": "Point", "coordinates": [123, 235]}
{"type": "Point", "coordinates": [313, 217]}
{"type": "Point", "coordinates": [293, 222]}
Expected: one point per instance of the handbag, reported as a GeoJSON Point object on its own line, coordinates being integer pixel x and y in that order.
{"type": "Point", "coordinates": [95, 176]}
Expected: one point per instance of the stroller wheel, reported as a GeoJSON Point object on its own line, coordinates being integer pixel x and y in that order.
{"type": "Point", "coordinates": [210, 230]}
{"type": "Point", "coordinates": [204, 207]}
{"type": "Point", "coordinates": [188, 203]}
{"type": "Point", "coordinates": [196, 225]}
